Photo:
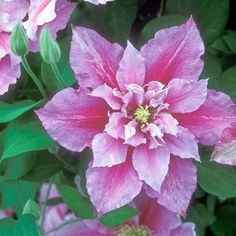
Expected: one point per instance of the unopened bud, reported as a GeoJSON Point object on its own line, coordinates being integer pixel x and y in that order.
{"type": "Point", "coordinates": [19, 42]}
{"type": "Point", "coordinates": [49, 49]}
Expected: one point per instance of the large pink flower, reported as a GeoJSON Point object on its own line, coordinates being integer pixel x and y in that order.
{"type": "Point", "coordinates": [153, 220]}
{"type": "Point", "coordinates": [225, 150]}
{"type": "Point", "coordinates": [144, 117]}
{"type": "Point", "coordinates": [34, 14]}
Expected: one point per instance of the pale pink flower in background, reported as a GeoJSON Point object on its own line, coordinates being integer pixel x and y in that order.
{"type": "Point", "coordinates": [144, 117]}
{"type": "Point", "coordinates": [5, 213]}
{"type": "Point", "coordinates": [10, 13]}
{"type": "Point", "coordinates": [34, 14]}
{"type": "Point", "coordinates": [96, 2]}
{"type": "Point", "coordinates": [53, 13]}
{"type": "Point", "coordinates": [54, 215]}
{"type": "Point", "coordinates": [153, 220]}
{"type": "Point", "coordinates": [225, 149]}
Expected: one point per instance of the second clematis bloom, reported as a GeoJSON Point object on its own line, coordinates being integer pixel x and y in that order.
{"type": "Point", "coordinates": [225, 150]}
{"type": "Point", "coordinates": [143, 113]}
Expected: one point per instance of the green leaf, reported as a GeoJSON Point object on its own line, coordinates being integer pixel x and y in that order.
{"type": "Point", "coordinates": [21, 138]}
{"type": "Point", "coordinates": [159, 23]}
{"type": "Point", "coordinates": [225, 225]}
{"type": "Point", "coordinates": [202, 217]}
{"type": "Point", "coordinates": [211, 15]}
{"type": "Point", "coordinates": [113, 20]}
{"type": "Point", "coordinates": [230, 39]}
{"type": "Point", "coordinates": [76, 202]}
{"type": "Point", "coordinates": [10, 112]}
{"type": "Point", "coordinates": [218, 180]}
{"type": "Point", "coordinates": [15, 195]}
{"type": "Point", "coordinates": [17, 166]}
{"type": "Point", "coordinates": [31, 207]}
{"type": "Point", "coordinates": [25, 226]}
{"type": "Point", "coordinates": [47, 164]}
{"type": "Point", "coordinates": [119, 216]}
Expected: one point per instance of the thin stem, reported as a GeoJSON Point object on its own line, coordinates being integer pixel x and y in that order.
{"type": "Point", "coordinates": [33, 77]}
{"type": "Point", "coordinates": [57, 75]}
{"type": "Point", "coordinates": [62, 225]}
{"type": "Point", "coordinates": [45, 205]}
{"type": "Point", "coordinates": [162, 4]}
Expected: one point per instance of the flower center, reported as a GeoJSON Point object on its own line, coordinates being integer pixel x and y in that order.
{"type": "Point", "coordinates": [142, 114]}
{"type": "Point", "coordinates": [134, 231]}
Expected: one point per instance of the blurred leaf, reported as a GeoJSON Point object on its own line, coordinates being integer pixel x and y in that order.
{"type": "Point", "coordinates": [15, 195]}
{"type": "Point", "coordinates": [212, 67]}
{"type": "Point", "coordinates": [119, 216]}
{"type": "Point", "coordinates": [225, 224]}
{"type": "Point", "coordinates": [211, 203]}
{"type": "Point", "coordinates": [32, 208]}
{"type": "Point", "coordinates": [6, 226]}
{"type": "Point", "coordinates": [113, 20]}
{"type": "Point", "coordinates": [225, 82]}
{"type": "Point", "coordinates": [211, 15]}
{"type": "Point", "coordinates": [47, 164]}
{"type": "Point", "coordinates": [159, 23]}
{"type": "Point", "coordinates": [10, 112]}
{"type": "Point", "coordinates": [203, 218]}
{"type": "Point", "coordinates": [76, 202]}
{"type": "Point", "coordinates": [17, 166]}
{"type": "Point", "coordinates": [21, 138]}
{"type": "Point", "coordinates": [218, 180]}
{"type": "Point", "coordinates": [230, 39]}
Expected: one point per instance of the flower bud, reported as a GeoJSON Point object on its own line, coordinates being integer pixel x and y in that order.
{"type": "Point", "coordinates": [19, 42]}
{"type": "Point", "coordinates": [49, 49]}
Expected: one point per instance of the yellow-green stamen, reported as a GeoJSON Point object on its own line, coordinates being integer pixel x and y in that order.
{"type": "Point", "coordinates": [142, 114]}
{"type": "Point", "coordinates": [134, 231]}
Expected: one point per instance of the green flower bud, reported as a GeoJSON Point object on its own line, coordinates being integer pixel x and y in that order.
{"type": "Point", "coordinates": [49, 49]}
{"type": "Point", "coordinates": [19, 42]}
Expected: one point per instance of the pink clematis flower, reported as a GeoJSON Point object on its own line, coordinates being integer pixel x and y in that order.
{"type": "Point", "coordinates": [144, 117]}
{"type": "Point", "coordinates": [53, 13]}
{"type": "Point", "coordinates": [9, 64]}
{"type": "Point", "coordinates": [225, 150]}
{"type": "Point", "coordinates": [5, 213]}
{"type": "Point", "coordinates": [34, 14]}
{"type": "Point", "coordinates": [96, 2]}
{"type": "Point", "coordinates": [153, 220]}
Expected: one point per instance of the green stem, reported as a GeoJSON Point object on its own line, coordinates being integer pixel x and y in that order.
{"type": "Point", "coordinates": [62, 225]}
{"type": "Point", "coordinates": [45, 205]}
{"type": "Point", "coordinates": [57, 75]}
{"type": "Point", "coordinates": [33, 77]}
{"type": "Point", "coordinates": [160, 13]}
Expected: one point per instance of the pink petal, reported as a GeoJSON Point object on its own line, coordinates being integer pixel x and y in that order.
{"type": "Point", "coordinates": [187, 229]}
{"type": "Point", "coordinates": [4, 44]}
{"type": "Point", "coordinates": [93, 59]}
{"type": "Point", "coordinates": [9, 72]}
{"type": "Point", "coordinates": [184, 145]}
{"type": "Point", "coordinates": [108, 151]}
{"type": "Point", "coordinates": [174, 53]}
{"type": "Point", "coordinates": [116, 125]}
{"type": "Point", "coordinates": [96, 2]}
{"type": "Point", "coordinates": [225, 150]}
{"type": "Point", "coordinates": [84, 228]}
{"type": "Point", "coordinates": [107, 94]}
{"type": "Point", "coordinates": [11, 13]}
{"type": "Point", "coordinates": [178, 186]}
{"type": "Point", "coordinates": [156, 217]}
{"type": "Point", "coordinates": [39, 13]}
{"type": "Point", "coordinates": [151, 165]}
{"type": "Point", "coordinates": [186, 96]}
{"type": "Point", "coordinates": [112, 187]}
{"type": "Point", "coordinates": [63, 10]}
{"type": "Point", "coordinates": [73, 118]}
{"type": "Point", "coordinates": [208, 122]}
{"type": "Point", "coordinates": [131, 68]}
